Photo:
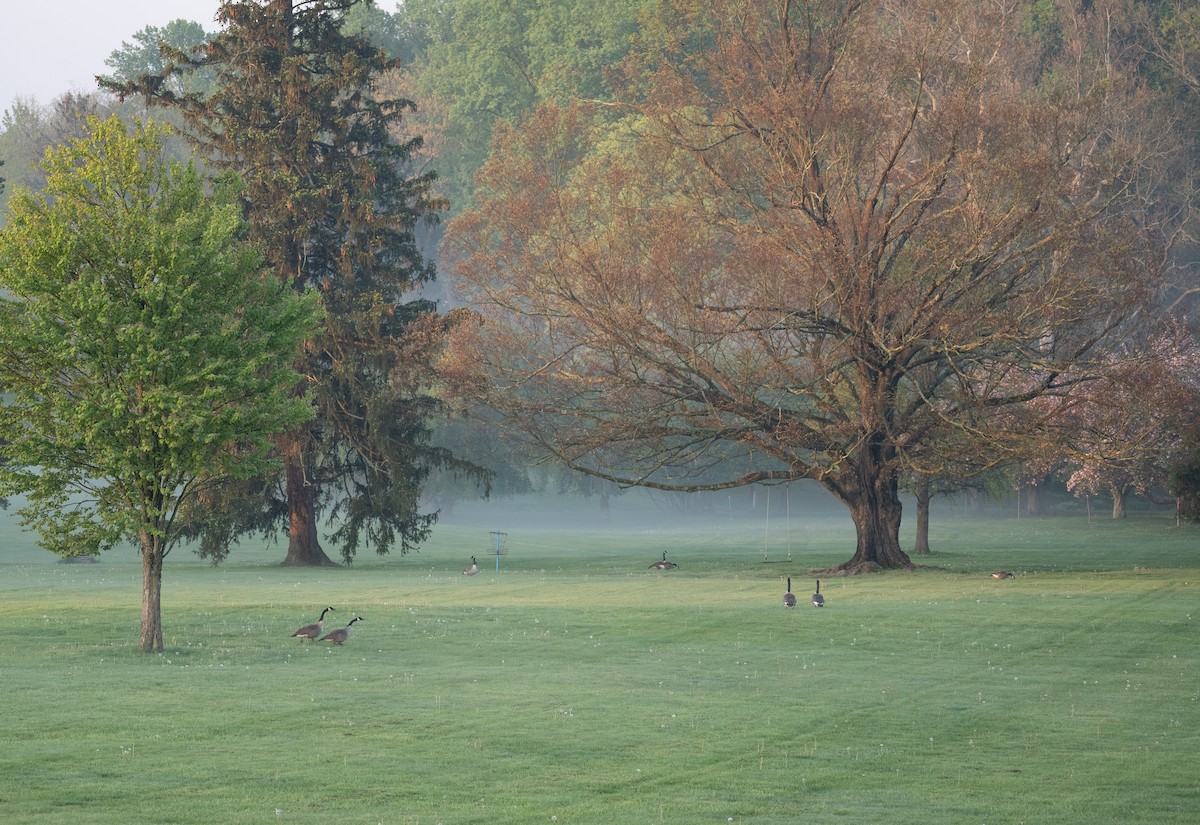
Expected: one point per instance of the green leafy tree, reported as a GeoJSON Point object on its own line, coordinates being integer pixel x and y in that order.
{"type": "Point", "coordinates": [294, 109]}
{"type": "Point", "coordinates": [28, 128]}
{"type": "Point", "coordinates": [145, 54]}
{"type": "Point", "coordinates": [1184, 475]}
{"type": "Point", "coordinates": [1171, 37]}
{"type": "Point", "coordinates": [142, 353]}
{"type": "Point", "coordinates": [369, 21]}
{"type": "Point", "coordinates": [487, 63]}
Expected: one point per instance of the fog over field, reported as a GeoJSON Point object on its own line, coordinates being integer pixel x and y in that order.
{"type": "Point", "coordinates": [758, 523]}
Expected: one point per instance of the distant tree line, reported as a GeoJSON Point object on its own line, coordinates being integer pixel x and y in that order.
{"type": "Point", "coordinates": [707, 245]}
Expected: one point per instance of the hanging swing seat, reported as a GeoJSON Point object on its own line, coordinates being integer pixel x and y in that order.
{"type": "Point", "coordinates": [767, 527]}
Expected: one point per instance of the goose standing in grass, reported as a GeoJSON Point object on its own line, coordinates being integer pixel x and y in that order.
{"type": "Point", "coordinates": [312, 631]}
{"type": "Point", "coordinates": [664, 564]}
{"type": "Point", "coordinates": [789, 598]}
{"type": "Point", "coordinates": [1002, 574]}
{"type": "Point", "coordinates": [472, 568]}
{"type": "Point", "coordinates": [342, 633]}
{"type": "Point", "coordinates": [818, 599]}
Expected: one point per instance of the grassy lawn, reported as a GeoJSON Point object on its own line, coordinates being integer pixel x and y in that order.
{"type": "Point", "coordinates": [577, 686]}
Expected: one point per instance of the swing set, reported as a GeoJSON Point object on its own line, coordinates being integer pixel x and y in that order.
{"type": "Point", "coordinates": [787, 508]}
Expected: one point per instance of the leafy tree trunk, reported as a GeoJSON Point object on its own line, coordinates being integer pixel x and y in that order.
{"type": "Point", "coordinates": [304, 547]}
{"type": "Point", "coordinates": [1119, 491]}
{"type": "Point", "coordinates": [923, 497]}
{"type": "Point", "coordinates": [1033, 498]}
{"type": "Point", "coordinates": [151, 639]}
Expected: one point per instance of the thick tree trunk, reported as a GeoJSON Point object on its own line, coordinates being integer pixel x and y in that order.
{"type": "Point", "coordinates": [151, 638]}
{"type": "Point", "coordinates": [923, 498]}
{"type": "Point", "coordinates": [304, 547]}
{"type": "Point", "coordinates": [878, 525]}
{"type": "Point", "coordinates": [874, 500]}
{"type": "Point", "coordinates": [1119, 491]}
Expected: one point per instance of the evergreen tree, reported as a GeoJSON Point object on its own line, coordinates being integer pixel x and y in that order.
{"type": "Point", "coordinates": [294, 110]}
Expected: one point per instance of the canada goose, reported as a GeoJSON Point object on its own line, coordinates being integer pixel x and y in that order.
{"type": "Point", "coordinates": [472, 569]}
{"type": "Point", "coordinates": [789, 598]}
{"type": "Point", "coordinates": [1002, 574]}
{"type": "Point", "coordinates": [342, 633]}
{"type": "Point", "coordinates": [664, 564]}
{"type": "Point", "coordinates": [312, 631]}
{"type": "Point", "coordinates": [818, 599]}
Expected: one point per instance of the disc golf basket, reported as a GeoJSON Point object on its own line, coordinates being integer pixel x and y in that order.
{"type": "Point", "coordinates": [499, 546]}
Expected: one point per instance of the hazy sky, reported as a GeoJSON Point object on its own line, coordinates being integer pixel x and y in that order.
{"type": "Point", "coordinates": [56, 46]}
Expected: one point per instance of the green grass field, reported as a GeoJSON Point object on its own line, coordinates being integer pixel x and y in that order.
{"type": "Point", "coordinates": [577, 686]}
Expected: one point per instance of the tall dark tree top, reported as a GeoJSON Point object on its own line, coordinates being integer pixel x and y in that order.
{"type": "Point", "coordinates": [293, 108]}
{"type": "Point", "coordinates": [297, 109]}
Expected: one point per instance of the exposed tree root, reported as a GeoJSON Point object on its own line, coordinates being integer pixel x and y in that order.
{"type": "Point", "coordinates": [860, 568]}
{"type": "Point", "coordinates": [323, 561]}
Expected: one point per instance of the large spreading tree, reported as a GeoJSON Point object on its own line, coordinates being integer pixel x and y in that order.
{"type": "Point", "coordinates": [824, 240]}
{"type": "Point", "coordinates": [296, 108]}
{"type": "Point", "coordinates": [142, 354]}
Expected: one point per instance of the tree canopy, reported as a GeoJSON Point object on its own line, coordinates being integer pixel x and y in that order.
{"type": "Point", "coordinates": [814, 240]}
{"type": "Point", "coordinates": [145, 55]}
{"type": "Point", "coordinates": [482, 63]}
{"type": "Point", "coordinates": [142, 354]}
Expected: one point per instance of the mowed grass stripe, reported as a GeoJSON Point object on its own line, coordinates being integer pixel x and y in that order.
{"type": "Point", "coordinates": [579, 685]}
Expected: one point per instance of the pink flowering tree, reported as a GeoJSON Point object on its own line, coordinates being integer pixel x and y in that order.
{"type": "Point", "coordinates": [1129, 426]}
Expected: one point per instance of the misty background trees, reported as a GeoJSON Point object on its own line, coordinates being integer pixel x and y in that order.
{"type": "Point", "coordinates": [862, 243]}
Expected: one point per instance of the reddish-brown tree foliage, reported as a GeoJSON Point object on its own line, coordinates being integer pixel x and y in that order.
{"type": "Point", "coordinates": [815, 240]}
